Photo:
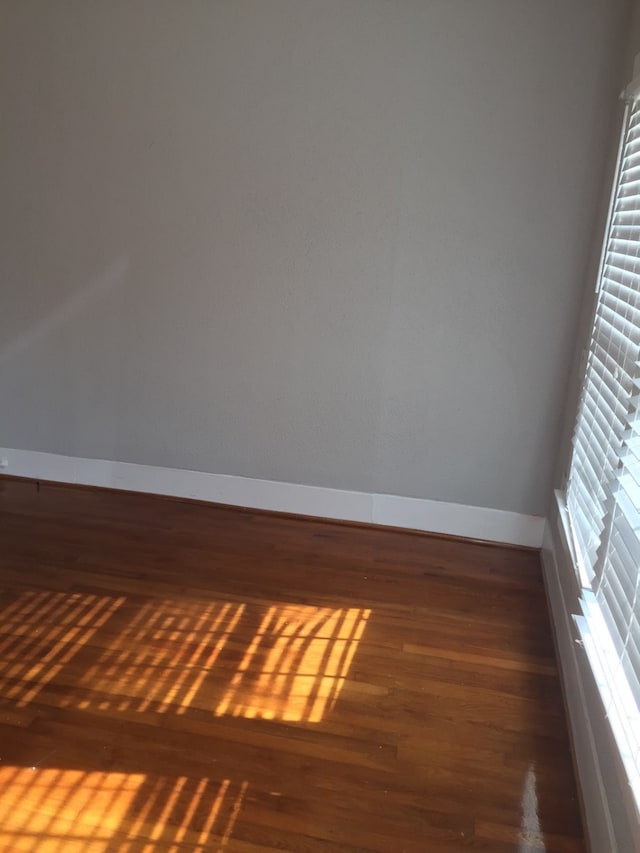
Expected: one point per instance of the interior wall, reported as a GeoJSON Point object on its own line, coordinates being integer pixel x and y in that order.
{"type": "Point", "coordinates": [332, 242]}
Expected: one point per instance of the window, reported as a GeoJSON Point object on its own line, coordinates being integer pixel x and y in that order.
{"type": "Point", "coordinates": [603, 491]}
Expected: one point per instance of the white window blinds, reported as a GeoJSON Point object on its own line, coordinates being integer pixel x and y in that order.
{"type": "Point", "coordinates": [603, 492]}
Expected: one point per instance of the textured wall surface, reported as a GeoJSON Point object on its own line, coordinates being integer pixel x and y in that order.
{"type": "Point", "coordinates": [333, 242]}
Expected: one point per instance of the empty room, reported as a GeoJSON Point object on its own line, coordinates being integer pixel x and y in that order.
{"type": "Point", "coordinates": [319, 426]}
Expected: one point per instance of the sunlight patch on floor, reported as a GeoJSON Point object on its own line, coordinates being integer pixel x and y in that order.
{"type": "Point", "coordinates": [279, 661]}
{"type": "Point", "coordinates": [296, 664]}
{"type": "Point", "coordinates": [47, 810]}
{"type": "Point", "coordinates": [160, 659]}
{"type": "Point", "coordinates": [41, 634]}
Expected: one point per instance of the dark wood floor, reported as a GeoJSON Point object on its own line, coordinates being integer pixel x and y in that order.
{"type": "Point", "coordinates": [180, 677]}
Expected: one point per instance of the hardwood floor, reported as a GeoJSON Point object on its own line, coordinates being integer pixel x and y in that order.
{"type": "Point", "coordinates": [182, 677]}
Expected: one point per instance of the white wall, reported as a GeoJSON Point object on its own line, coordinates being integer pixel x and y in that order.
{"type": "Point", "coordinates": [333, 242]}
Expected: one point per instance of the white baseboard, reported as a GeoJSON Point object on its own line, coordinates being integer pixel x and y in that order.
{"type": "Point", "coordinates": [473, 522]}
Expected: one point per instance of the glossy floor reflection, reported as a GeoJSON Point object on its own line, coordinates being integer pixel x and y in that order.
{"type": "Point", "coordinates": [530, 829]}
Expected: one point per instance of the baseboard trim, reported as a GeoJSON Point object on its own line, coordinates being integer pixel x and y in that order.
{"type": "Point", "coordinates": [471, 522]}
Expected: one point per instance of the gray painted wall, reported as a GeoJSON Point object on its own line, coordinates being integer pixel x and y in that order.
{"type": "Point", "coordinates": [334, 242]}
